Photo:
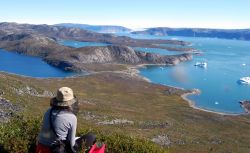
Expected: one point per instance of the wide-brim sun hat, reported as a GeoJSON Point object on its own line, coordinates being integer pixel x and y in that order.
{"type": "Point", "coordinates": [64, 97]}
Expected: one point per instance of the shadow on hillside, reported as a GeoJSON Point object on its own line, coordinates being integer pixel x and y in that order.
{"type": "Point", "coordinates": [2, 150]}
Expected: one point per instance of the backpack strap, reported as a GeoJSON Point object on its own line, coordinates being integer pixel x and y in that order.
{"type": "Point", "coordinates": [51, 123]}
{"type": "Point", "coordinates": [61, 146]}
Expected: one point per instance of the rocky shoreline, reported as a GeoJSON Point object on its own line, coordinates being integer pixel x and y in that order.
{"type": "Point", "coordinates": [192, 103]}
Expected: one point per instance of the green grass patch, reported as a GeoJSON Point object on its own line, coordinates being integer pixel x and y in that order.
{"type": "Point", "coordinates": [19, 136]}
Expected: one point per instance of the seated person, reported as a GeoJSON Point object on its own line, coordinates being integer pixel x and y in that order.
{"type": "Point", "coordinates": [59, 125]}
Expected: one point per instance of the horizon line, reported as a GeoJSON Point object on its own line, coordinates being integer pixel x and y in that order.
{"type": "Point", "coordinates": [131, 28]}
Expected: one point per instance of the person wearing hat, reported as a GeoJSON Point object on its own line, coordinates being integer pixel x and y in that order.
{"type": "Point", "coordinates": [57, 134]}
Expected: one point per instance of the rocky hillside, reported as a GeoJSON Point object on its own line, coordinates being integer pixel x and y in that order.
{"type": "Point", "coordinates": [30, 44]}
{"type": "Point", "coordinates": [40, 41]}
{"type": "Point", "coordinates": [77, 58]}
{"type": "Point", "coordinates": [241, 34]}
{"type": "Point", "coordinates": [61, 32]}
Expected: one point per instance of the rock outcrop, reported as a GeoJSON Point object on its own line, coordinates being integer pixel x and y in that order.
{"type": "Point", "coordinates": [7, 109]}
{"type": "Point", "coordinates": [33, 92]}
{"type": "Point", "coordinates": [162, 140]}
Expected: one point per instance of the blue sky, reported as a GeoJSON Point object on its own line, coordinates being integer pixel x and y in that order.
{"type": "Point", "coordinates": [130, 13]}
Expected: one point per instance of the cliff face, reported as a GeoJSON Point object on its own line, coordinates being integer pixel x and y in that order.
{"type": "Point", "coordinates": [150, 58]}
{"type": "Point", "coordinates": [241, 34]}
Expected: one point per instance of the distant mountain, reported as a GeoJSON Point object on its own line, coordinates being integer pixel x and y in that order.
{"type": "Point", "coordinates": [240, 34]}
{"type": "Point", "coordinates": [77, 34]}
{"type": "Point", "coordinates": [97, 28]}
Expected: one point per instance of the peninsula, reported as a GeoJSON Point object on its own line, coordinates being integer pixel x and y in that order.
{"type": "Point", "coordinates": [41, 41]}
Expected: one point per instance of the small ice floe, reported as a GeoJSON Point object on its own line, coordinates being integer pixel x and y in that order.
{"type": "Point", "coordinates": [243, 64]}
{"type": "Point", "coordinates": [216, 103]}
{"type": "Point", "coordinates": [244, 80]}
{"type": "Point", "coordinates": [162, 68]}
{"type": "Point", "coordinates": [174, 38]}
{"type": "Point", "coordinates": [229, 47]}
{"type": "Point", "coordinates": [201, 64]}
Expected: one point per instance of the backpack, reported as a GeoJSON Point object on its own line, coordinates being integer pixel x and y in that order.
{"type": "Point", "coordinates": [97, 149]}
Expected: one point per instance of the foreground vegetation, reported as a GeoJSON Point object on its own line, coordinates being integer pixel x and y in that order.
{"type": "Point", "coordinates": [145, 111]}
{"type": "Point", "coordinates": [19, 136]}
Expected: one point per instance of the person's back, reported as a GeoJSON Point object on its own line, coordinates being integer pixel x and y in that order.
{"type": "Point", "coordinates": [64, 124]}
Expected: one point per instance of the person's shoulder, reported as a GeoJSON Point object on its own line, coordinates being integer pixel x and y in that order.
{"type": "Point", "coordinates": [70, 118]}
{"type": "Point", "coordinates": [69, 115]}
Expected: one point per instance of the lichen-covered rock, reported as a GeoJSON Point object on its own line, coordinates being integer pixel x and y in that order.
{"type": "Point", "coordinates": [115, 122]}
{"type": "Point", "coordinates": [33, 92]}
{"type": "Point", "coordinates": [162, 140]}
{"type": "Point", "coordinates": [7, 109]}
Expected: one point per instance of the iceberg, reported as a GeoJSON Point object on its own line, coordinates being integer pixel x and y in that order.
{"type": "Point", "coordinates": [201, 64]}
{"type": "Point", "coordinates": [244, 80]}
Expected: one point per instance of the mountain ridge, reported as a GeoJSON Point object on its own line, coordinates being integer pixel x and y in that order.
{"type": "Point", "coordinates": [60, 32]}
{"type": "Point", "coordinates": [239, 34]}
{"type": "Point", "coordinates": [98, 28]}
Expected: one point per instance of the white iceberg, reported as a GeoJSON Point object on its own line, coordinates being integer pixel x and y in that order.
{"type": "Point", "coordinates": [201, 64]}
{"type": "Point", "coordinates": [244, 80]}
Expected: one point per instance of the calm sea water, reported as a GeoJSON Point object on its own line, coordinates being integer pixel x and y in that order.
{"type": "Point", "coordinates": [34, 66]}
{"type": "Point", "coordinates": [228, 61]}
{"type": "Point", "coordinates": [29, 66]}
